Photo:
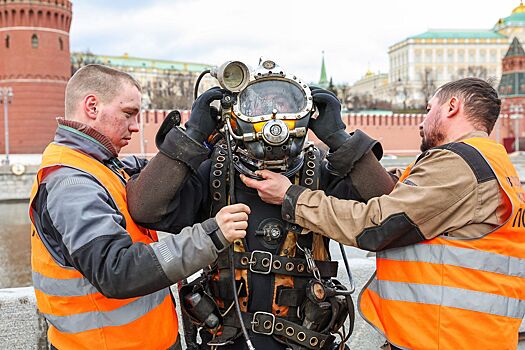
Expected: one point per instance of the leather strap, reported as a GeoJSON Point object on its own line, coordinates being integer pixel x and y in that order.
{"type": "Point", "coordinates": [268, 324]}
{"type": "Point", "coordinates": [263, 262]}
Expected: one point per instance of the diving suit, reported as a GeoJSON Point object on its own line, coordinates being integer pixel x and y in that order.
{"type": "Point", "coordinates": [285, 288]}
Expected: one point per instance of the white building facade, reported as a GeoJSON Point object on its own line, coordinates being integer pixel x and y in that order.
{"type": "Point", "coordinates": [421, 63]}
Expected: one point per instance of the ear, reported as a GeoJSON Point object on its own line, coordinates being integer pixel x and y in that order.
{"type": "Point", "coordinates": [90, 106]}
{"type": "Point", "coordinates": [453, 107]}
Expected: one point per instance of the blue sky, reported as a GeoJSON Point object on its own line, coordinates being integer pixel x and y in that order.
{"type": "Point", "coordinates": [355, 35]}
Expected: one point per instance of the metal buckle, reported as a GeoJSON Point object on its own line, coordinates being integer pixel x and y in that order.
{"type": "Point", "coordinates": [269, 257]}
{"type": "Point", "coordinates": [269, 318]}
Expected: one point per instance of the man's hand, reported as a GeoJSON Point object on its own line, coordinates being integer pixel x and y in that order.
{"type": "Point", "coordinates": [233, 221]}
{"type": "Point", "coordinates": [272, 189]}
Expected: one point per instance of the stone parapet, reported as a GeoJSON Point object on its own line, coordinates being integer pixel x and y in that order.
{"type": "Point", "coordinates": [16, 187]}
{"type": "Point", "coordinates": [21, 326]}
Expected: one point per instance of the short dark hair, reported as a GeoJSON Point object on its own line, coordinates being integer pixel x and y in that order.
{"type": "Point", "coordinates": [97, 79]}
{"type": "Point", "coordinates": [481, 101]}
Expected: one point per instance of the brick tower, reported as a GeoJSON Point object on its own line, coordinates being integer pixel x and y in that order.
{"type": "Point", "coordinates": [35, 62]}
{"type": "Point", "coordinates": [512, 93]}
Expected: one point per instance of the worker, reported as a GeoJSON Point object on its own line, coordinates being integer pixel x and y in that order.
{"type": "Point", "coordinates": [449, 237]}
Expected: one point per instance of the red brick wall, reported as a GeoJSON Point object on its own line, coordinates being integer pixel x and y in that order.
{"type": "Point", "coordinates": [38, 75]}
{"type": "Point", "coordinates": [398, 133]}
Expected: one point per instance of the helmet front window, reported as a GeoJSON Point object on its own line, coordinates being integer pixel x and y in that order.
{"type": "Point", "coordinates": [262, 97]}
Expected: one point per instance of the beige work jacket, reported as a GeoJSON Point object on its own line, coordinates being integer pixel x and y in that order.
{"type": "Point", "coordinates": [440, 196]}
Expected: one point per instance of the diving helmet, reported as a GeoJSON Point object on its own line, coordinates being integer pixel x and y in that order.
{"type": "Point", "coordinates": [267, 113]}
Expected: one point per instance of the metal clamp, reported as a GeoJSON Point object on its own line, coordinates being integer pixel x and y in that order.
{"type": "Point", "coordinates": [266, 264]}
{"type": "Point", "coordinates": [268, 325]}
{"type": "Point", "coordinates": [312, 267]}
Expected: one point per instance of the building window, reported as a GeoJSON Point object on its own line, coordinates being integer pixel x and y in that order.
{"type": "Point", "coordinates": [461, 56]}
{"type": "Point", "coordinates": [439, 56]}
{"type": "Point", "coordinates": [493, 57]}
{"type": "Point", "coordinates": [61, 44]}
{"type": "Point", "coordinates": [7, 41]}
{"type": "Point", "coordinates": [471, 56]}
{"type": "Point", "coordinates": [34, 41]}
{"type": "Point", "coordinates": [450, 56]}
{"type": "Point", "coordinates": [417, 56]}
{"type": "Point", "coordinates": [482, 56]}
{"type": "Point", "coordinates": [428, 56]}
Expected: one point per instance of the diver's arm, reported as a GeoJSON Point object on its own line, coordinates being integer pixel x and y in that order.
{"type": "Point", "coordinates": [356, 171]}
{"type": "Point", "coordinates": [151, 192]}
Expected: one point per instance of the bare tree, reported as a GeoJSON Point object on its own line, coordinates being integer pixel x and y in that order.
{"type": "Point", "coordinates": [173, 91]}
{"type": "Point", "coordinates": [475, 71]}
{"type": "Point", "coordinates": [428, 83]}
{"type": "Point", "coordinates": [81, 59]}
{"type": "Point", "coordinates": [400, 94]}
{"type": "Point", "coordinates": [471, 71]}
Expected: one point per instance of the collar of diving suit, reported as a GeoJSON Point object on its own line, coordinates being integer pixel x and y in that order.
{"type": "Point", "coordinates": [247, 165]}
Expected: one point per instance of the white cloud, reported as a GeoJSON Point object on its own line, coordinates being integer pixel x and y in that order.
{"type": "Point", "coordinates": [355, 35]}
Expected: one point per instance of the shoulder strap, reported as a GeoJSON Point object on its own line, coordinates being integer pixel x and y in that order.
{"type": "Point", "coordinates": [479, 165]}
{"type": "Point", "coordinates": [310, 176]}
{"type": "Point", "coordinates": [311, 170]}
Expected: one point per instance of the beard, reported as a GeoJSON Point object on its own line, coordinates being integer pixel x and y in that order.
{"type": "Point", "coordinates": [435, 137]}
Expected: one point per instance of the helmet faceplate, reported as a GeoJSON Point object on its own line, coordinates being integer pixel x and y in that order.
{"type": "Point", "coordinates": [270, 116]}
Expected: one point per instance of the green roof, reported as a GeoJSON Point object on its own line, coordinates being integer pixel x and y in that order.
{"type": "Point", "coordinates": [515, 49]}
{"type": "Point", "coordinates": [323, 81]}
{"type": "Point", "coordinates": [515, 18]}
{"type": "Point", "coordinates": [458, 34]}
{"type": "Point", "coordinates": [135, 62]}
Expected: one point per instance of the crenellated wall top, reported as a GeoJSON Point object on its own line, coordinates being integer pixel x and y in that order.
{"type": "Point", "coordinates": [54, 14]}
{"type": "Point", "coordinates": [64, 4]}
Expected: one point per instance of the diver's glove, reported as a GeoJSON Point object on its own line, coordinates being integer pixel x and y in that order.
{"type": "Point", "coordinates": [328, 126]}
{"type": "Point", "coordinates": [172, 120]}
{"type": "Point", "coordinates": [203, 118]}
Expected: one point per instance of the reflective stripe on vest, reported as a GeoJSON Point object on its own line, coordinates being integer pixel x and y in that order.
{"type": "Point", "coordinates": [457, 256]}
{"type": "Point", "coordinates": [449, 296]}
{"type": "Point", "coordinates": [96, 319]}
{"type": "Point", "coordinates": [453, 293]}
{"type": "Point", "coordinates": [71, 287]}
{"type": "Point", "coordinates": [80, 317]}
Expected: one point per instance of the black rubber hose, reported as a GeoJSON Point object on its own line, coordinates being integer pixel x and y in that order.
{"type": "Point", "coordinates": [347, 266]}
{"type": "Point", "coordinates": [231, 191]}
{"type": "Point", "coordinates": [196, 90]}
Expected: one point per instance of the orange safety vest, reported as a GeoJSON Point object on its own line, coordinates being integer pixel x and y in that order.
{"type": "Point", "coordinates": [80, 317]}
{"type": "Point", "coordinates": [453, 293]}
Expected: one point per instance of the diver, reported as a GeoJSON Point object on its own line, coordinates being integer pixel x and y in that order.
{"type": "Point", "coordinates": [276, 288]}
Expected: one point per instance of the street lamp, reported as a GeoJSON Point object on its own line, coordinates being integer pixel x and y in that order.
{"type": "Point", "coordinates": [6, 97]}
{"type": "Point", "coordinates": [401, 93]}
{"type": "Point", "coordinates": [516, 113]}
{"type": "Point", "coordinates": [146, 101]}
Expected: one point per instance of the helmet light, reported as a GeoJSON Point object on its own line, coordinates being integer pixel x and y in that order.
{"type": "Point", "coordinates": [232, 75]}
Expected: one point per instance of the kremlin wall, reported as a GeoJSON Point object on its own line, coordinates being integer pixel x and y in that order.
{"type": "Point", "coordinates": [398, 133]}
{"type": "Point", "coordinates": [35, 61]}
